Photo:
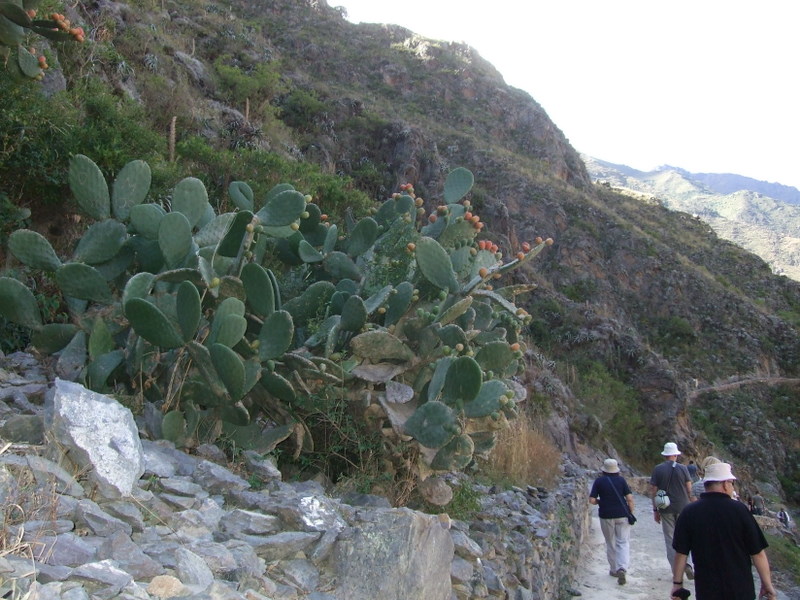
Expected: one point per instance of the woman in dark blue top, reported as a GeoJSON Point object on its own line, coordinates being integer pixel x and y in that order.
{"type": "Point", "coordinates": [611, 492]}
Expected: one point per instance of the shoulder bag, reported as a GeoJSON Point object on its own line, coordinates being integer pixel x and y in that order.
{"type": "Point", "coordinates": [631, 517]}
{"type": "Point", "coordinates": [662, 496]}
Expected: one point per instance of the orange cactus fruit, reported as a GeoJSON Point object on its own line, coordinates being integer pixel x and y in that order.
{"type": "Point", "coordinates": [483, 272]}
{"type": "Point", "coordinates": [538, 240]}
{"type": "Point", "coordinates": [31, 12]}
{"type": "Point", "coordinates": [411, 246]}
{"type": "Point", "coordinates": [526, 247]}
{"type": "Point", "coordinates": [432, 218]}
{"type": "Point", "coordinates": [549, 241]}
{"type": "Point", "coordinates": [520, 255]}
{"type": "Point", "coordinates": [467, 215]}
{"type": "Point", "coordinates": [515, 347]}
{"type": "Point", "coordinates": [478, 226]}
{"type": "Point", "coordinates": [323, 217]}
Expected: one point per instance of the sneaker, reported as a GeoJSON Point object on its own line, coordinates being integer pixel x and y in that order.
{"type": "Point", "coordinates": [613, 573]}
{"type": "Point", "coordinates": [689, 572]}
{"type": "Point", "coordinates": [621, 577]}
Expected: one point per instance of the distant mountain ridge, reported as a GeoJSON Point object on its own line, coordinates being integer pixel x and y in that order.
{"type": "Point", "coordinates": [759, 216]}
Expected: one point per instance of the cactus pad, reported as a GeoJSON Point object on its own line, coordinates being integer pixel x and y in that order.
{"type": "Point", "coordinates": [18, 305]}
{"type": "Point", "coordinates": [434, 262]}
{"type": "Point", "coordinates": [89, 187]}
{"type": "Point", "coordinates": [149, 322]}
{"type": "Point", "coordinates": [33, 250]}
{"type": "Point", "coordinates": [432, 424]}
{"type": "Point", "coordinates": [130, 188]}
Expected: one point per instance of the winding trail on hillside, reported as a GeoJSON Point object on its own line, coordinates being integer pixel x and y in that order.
{"type": "Point", "coordinates": [649, 576]}
{"type": "Point", "coordinates": [732, 385]}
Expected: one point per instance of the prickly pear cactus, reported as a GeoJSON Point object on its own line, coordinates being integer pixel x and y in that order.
{"type": "Point", "coordinates": [222, 319]}
{"type": "Point", "coordinates": [17, 23]}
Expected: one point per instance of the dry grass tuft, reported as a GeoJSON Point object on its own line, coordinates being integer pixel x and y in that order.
{"type": "Point", "coordinates": [524, 456]}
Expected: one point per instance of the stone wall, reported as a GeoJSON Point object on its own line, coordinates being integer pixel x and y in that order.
{"type": "Point", "coordinates": [161, 523]}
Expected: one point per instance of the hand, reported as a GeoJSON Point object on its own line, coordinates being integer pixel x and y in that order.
{"type": "Point", "coordinates": [657, 516]}
{"type": "Point", "coordinates": [768, 592]}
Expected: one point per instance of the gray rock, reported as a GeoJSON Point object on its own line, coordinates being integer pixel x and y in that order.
{"type": "Point", "coordinates": [32, 530]}
{"type": "Point", "coordinates": [47, 473]}
{"type": "Point", "coordinates": [248, 563]}
{"type": "Point", "coordinates": [464, 545]}
{"type": "Point", "coordinates": [23, 429]}
{"type": "Point", "coordinates": [281, 545]}
{"type": "Point", "coordinates": [461, 570]}
{"type": "Point", "coordinates": [127, 512]}
{"type": "Point", "coordinates": [67, 549]}
{"type": "Point", "coordinates": [88, 514]}
{"type": "Point", "coordinates": [129, 557]}
{"type": "Point", "coordinates": [190, 525]}
{"type": "Point", "coordinates": [216, 479]}
{"type": "Point", "coordinates": [412, 551]}
{"type": "Point", "coordinates": [302, 574]}
{"type": "Point", "coordinates": [102, 579]}
{"type": "Point", "coordinates": [191, 569]}
{"type": "Point", "coordinates": [178, 502]}
{"type": "Point", "coordinates": [218, 558]}
{"type": "Point", "coordinates": [263, 468]}
{"type": "Point", "coordinates": [237, 522]}
{"type": "Point", "coordinates": [182, 487]}
{"type": "Point", "coordinates": [48, 573]}
{"type": "Point", "coordinates": [100, 436]}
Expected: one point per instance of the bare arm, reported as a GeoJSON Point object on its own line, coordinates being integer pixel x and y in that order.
{"type": "Point", "coordinates": [762, 566]}
{"type": "Point", "coordinates": [689, 489]}
{"type": "Point", "coordinates": [656, 514]}
{"type": "Point", "coordinates": [629, 500]}
{"type": "Point", "coordinates": [677, 572]}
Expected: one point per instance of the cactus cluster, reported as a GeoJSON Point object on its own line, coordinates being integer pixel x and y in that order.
{"type": "Point", "coordinates": [17, 21]}
{"type": "Point", "coordinates": [397, 313]}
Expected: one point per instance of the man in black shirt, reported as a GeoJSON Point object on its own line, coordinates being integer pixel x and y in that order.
{"type": "Point", "coordinates": [723, 538]}
{"type": "Point", "coordinates": [615, 498]}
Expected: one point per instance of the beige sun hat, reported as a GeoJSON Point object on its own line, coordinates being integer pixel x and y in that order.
{"type": "Point", "coordinates": [709, 460]}
{"type": "Point", "coordinates": [610, 466]}
{"type": "Point", "coordinates": [719, 472]}
{"type": "Point", "coordinates": [670, 449]}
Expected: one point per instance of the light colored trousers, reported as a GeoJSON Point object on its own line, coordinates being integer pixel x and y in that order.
{"type": "Point", "coordinates": [668, 527]}
{"type": "Point", "coordinates": [617, 533]}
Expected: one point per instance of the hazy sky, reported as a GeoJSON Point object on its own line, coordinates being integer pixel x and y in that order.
{"type": "Point", "coordinates": [705, 85]}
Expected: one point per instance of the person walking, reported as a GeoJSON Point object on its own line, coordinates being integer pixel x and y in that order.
{"type": "Point", "coordinates": [759, 504]}
{"type": "Point", "coordinates": [615, 499]}
{"type": "Point", "coordinates": [671, 480]}
{"type": "Point", "coordinates": [697, 486]}
{"type": "Point", "coordinates": [692, 468]}
{"type": "Point", "coordinates": [724, 539]}
{"type": "Point", "coordinates": [783, 517]}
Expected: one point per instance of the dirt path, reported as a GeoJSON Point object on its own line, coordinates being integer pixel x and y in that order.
{"type": "Point", "coordinates": [649, 576]}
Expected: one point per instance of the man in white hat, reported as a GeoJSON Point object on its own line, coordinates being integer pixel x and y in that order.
{"type": "Point", "coordinates": [673, 478]}
{"type": "Point", "coordinates": [723, 538]}
{"type": "Point", "coordinates": [612, 493]}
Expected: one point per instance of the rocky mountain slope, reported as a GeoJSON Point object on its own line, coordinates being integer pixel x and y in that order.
{"type": "Point", "coordinates": [761, 217]}
{"type": "Point", "coordinates": [641, 312]}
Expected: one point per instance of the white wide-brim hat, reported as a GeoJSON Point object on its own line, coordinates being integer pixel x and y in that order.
{"type": "Point", "coordinates": [670, 449]}
{"type": "Point", "coordinates": [718, 472]}
{"type": "Point", "coordinates": [610, 466]}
